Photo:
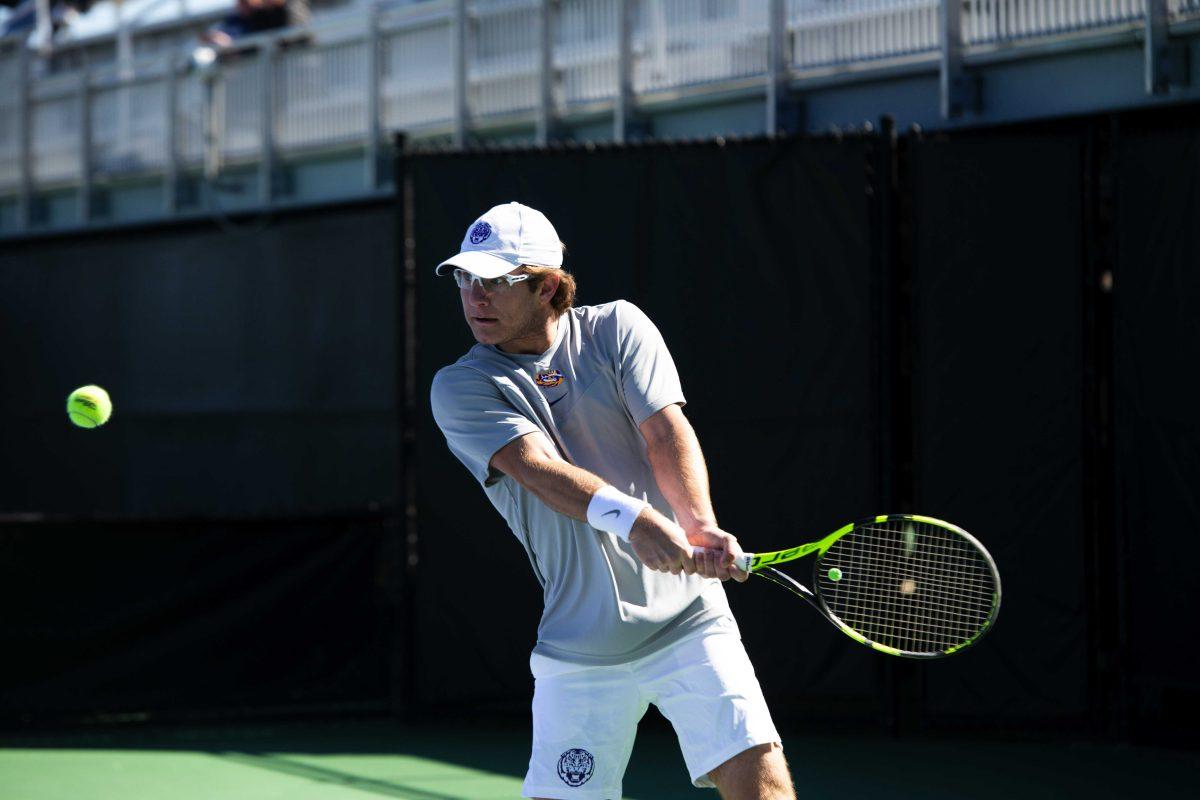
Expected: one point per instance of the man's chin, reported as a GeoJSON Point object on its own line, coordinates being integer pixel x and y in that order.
{"type": "Point", "coordinates": [485, 335]}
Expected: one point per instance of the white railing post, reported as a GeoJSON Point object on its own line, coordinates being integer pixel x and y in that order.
{"type": "Point", "coordinates": [266, 143]}
{"type": "Point", "coordinates": [43, 28]}
{"type": "Point", "coordinates": [959, 90]}
{"type": "Point", "coordinates": [459, 43]}
{"type": "Point", "coordinates": [124, 42]}
{"type": "Point", "coordinates": [1165, 62]}
{"type": "Point", "coordinates": [215, 84]}
{"type": "Point", "coordinates": [625, 107]}
{"type": "Point", "coordinates": [372, 104]}
{"type": "Point", "coordinates": [547, 113]}
{"type": "Point", "coordinates": [84, 109]}
{"type": "Point", "coordinates": [24, 140]}
{"type": "Point", "coordinates": [783, 108]}
{"type": "Point", "coordinates": [171, 134]}
{"type": "Point", "coordinates": [214, 130]}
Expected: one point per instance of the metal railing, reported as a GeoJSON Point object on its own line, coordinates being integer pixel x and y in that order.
{"type": "Point", "coordinates": [1009, 20]}
{"type": "Point", "coordinates": [416, 71]}
{"type": "Point", "coordinates": [342, 82]}
{"type": "Point", "coordinates": [828, 34]}
{"type": "Point", "coordinates": [11, 88]}
{"type": "Point", "coordinates": [678, 43]}
{"type": "Point", "coordinates": [586, 51]}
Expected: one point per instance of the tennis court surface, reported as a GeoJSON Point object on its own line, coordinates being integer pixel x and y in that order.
{"type": "Point", "coordinates": [331, 761]}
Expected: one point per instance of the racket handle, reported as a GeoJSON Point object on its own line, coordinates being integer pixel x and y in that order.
{"type": "Point", "coordinates": [742, 563]}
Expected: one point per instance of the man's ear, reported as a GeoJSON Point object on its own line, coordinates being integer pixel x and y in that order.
{"type": "Point", "coordinates": [549, 287]}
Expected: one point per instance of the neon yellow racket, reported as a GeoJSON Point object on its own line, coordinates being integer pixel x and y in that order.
{"type": "Point", "coordinates": [901, 584]}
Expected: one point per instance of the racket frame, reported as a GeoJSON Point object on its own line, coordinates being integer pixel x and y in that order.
{"type": "Point", "coordinates": [760, 564]}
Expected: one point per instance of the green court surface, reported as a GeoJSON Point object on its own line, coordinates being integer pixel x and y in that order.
{"type": "Point", "coordinates": [341, 760]}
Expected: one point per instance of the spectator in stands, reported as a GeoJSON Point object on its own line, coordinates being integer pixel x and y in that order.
{"type": "Point", "coordinates": [23, 15]}
{"type": "Point", "coordinates": [249, 17]}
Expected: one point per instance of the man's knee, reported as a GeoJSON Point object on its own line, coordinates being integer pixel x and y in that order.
{"type": "Point", "coordinates": [758, 773]}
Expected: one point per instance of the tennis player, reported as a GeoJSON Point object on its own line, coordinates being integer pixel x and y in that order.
{"type": "Point", "coordinates": [570, 418]}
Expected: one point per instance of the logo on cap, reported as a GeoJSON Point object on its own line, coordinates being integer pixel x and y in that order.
{"type": "Point", "coordinates": [552, 378]}
{"type": "Point", "coordinates": [480, 232]}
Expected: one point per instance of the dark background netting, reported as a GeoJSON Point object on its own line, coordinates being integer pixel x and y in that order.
{"type": "Point", "coordinates": [221, 545]}
{"type": "Point", "coordinates": [998, 401]}
{"type": "Point", "coordinates": [195, 618]}
{"type": "Point", "coordinates": [1156, 344]}
{"type": "Point", "coordinates": [252, 372]}
{"type": "Point", "coordinates": [234, 540]}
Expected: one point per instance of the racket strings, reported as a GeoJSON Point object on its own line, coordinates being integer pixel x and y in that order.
{"type": "Point", "coordinates": [917, 587]}
{"type": "Point", "coordinates": [905, 618]}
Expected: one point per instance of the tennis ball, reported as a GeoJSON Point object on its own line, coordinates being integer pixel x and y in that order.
{"type": "Point", "coordinates": [89, 407]}
{"type": "Point", "coordinates": [908, 586]}
{"type": "Point", "coordinates": [835, 574]}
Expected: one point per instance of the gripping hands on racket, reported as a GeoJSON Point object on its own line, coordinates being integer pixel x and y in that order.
{"type": "Point", "coordinates": [705, 550]}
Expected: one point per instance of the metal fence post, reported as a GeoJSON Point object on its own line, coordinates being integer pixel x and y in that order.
{"type": "Point", "coordinates": [1165, 62]}
{"type": "Point", "coordinates": [266, 155]}
{"type": "Point", "coordinates": [959, 90]}
{"type": "Point", "coordinates": [458, 41]}
{"type": "Point", "coordinates": [783, 108]}
{"type": "Point", "coordinates": [84, 107]}
{"type": "Point", "coordinates": [547, 118]}
{"type": "Point", "coordinates": [624, 109]}
{"type": "Point", "coordinates": [372, 104]}
{"type": "Point", "coordinates": [24, 141]}
{"type": "Point", "coordinates": [171, 132]}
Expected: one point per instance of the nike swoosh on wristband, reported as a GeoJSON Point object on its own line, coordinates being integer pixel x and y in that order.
{"type": "Point", "coordinates": [614, 511]}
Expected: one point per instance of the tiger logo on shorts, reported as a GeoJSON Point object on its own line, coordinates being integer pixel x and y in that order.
{"type": "Point", "coordinates": [575, 766]}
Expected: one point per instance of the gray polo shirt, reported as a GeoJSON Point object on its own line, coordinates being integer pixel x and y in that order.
{"type": "Point", "coordinates": [607, 371]}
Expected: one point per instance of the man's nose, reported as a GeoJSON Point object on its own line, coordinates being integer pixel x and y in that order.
{"type": "Point", "coordinates": [477, 296]}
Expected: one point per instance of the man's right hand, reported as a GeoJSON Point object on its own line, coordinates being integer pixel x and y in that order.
{"type": "Point", "coordinates": [661, 544]}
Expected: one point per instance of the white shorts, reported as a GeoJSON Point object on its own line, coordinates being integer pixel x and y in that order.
{"type": "Point", "coordinates": [585, 718]}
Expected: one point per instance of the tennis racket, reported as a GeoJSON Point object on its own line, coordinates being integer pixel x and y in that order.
{"type": "Point", "coordinates": [901, 584]}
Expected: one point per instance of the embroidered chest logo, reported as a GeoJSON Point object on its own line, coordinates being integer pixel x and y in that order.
{"type": "Point", "coordinates": [552, 377]}
{"type": "Point", "coordinates": [575, 766]}
{"type": "Point", "coordinates": [480, 232]}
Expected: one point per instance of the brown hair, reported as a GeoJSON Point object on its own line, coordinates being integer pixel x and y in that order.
{"type": "Point", "coordinates": [564, 297]}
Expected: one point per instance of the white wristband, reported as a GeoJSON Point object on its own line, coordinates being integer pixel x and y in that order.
{"type": "Point", "coordinates": [614, 511]}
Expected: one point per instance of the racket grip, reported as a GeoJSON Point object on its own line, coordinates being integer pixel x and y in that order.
{"type": "Point", "coordinates": [742, 563]}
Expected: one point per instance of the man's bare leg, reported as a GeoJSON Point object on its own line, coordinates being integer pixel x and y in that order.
{"type": "Point", "coordinates": [759, 773]}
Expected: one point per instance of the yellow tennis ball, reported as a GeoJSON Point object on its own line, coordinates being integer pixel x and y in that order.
{"type": "Point", "coordinates": [89, 407]}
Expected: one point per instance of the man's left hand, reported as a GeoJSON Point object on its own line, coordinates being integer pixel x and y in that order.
{"type": "Point", "coordinates": [721, 549]}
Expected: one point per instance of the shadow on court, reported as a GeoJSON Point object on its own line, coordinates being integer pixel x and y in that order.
{"type": "Point", "coordinates": [485, 761]}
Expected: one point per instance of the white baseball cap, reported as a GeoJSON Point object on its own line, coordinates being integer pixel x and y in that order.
{"type": "Point", "coordinates": [503, 239]}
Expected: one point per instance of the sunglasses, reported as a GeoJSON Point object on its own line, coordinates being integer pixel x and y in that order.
{"type": "Point", "coordinates": [464, 280]}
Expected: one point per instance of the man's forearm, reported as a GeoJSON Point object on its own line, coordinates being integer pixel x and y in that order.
{"type": "Point", "coordinates": [682, 477]}
{"type": "Point", "coordinates": [532, 462]}
{"type": "Point", "coordinates": [681, 473]}
{"type": "Point", "coordinates": [568, 489]}
{"type": "Point", "coordinates": [564, 487]}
